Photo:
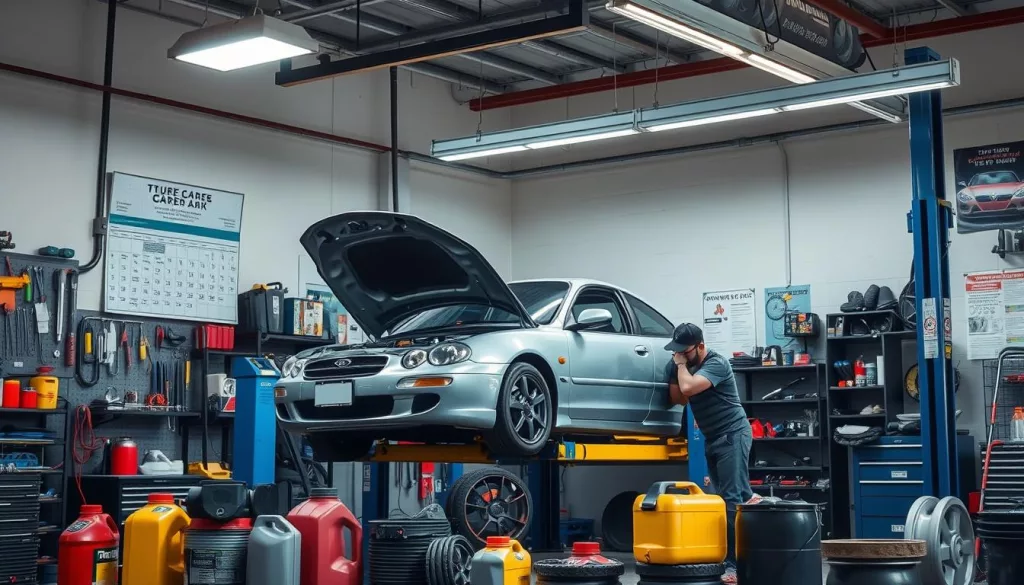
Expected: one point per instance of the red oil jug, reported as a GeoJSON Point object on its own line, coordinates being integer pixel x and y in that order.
{"type": "Point", "coordinates": [320, 520]}
{"type": "Point", "coordinates": [87, 550]}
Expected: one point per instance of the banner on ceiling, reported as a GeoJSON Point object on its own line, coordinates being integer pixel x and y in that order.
{"type": "Point", "coordinates": [995, 312]}
{"type": "Point", "coordinates": [989, 187]}
{"type": "Point", "coordinates": [730, 321]}
{"type": "Point", "coordinates": [778, 303]}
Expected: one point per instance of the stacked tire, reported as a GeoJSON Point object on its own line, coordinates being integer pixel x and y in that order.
{"type": "Point", "coordinates": [703, 574]}
{"type": "Point", "coordinates": [398, 546]}
{"type": "Point", "coordinates": [586, 566]}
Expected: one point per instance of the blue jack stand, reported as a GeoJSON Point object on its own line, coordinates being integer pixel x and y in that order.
{"type": "Point", "coordinates": [255, 420]}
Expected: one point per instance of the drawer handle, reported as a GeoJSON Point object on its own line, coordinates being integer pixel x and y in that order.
{"type": "Point", "coordinates": [891, 447]}
{"type": "Point", "coordinates": [890, 482]}
{"type": "Point", "coordinates": [892, 463]}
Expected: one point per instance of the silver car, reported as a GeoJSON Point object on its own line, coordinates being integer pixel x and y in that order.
{"type": "Point", "coordinates": [460, 355]}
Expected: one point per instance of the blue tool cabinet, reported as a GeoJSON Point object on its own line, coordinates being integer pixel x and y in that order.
{"type": "Point", "coordinates": [887, 477]}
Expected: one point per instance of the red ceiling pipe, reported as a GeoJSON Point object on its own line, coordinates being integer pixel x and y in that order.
{"type": "Point", "coordinates": [867, 25]}
{"type": "Point", "coordinates": [259, 122]}
{"type": "Point", "coordinates": [915, 32]}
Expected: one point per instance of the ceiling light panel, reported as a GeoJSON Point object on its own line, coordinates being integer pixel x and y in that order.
{"type": "Point", "coordinates": [243, 43]}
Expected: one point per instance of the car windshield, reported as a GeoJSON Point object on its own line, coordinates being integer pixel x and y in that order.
{"type": "Point", "coordinates": [542, 299]}
{"type": "Point", "coordinates": [994, 178]}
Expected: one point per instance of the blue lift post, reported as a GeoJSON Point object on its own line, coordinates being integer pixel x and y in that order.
{"type": "Point", "coordinates": [929, 221]}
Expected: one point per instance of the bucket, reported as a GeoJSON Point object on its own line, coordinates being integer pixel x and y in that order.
{"type": "Point", "coordinates": [12, 394]}
{"type": "Point", "coordinates": [46, 387]}
{"type": "Point", "coordinates": [778, 541]}
{"type": "Point", "coordinates": [215, 552]}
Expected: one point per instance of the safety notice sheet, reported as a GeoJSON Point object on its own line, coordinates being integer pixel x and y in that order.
{"type": "Point", "coordinates": [995, 312]}
{"type": "Point", "coordinates": [730, 321]}
{"type": "Point", "coordinates": [172, 250]}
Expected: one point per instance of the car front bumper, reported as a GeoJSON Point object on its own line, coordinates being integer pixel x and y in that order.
{"type": "Point", "coordinates": [386, 401]}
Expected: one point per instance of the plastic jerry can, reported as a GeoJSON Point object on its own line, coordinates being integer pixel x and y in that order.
{"type": "Point", "coordinates": [46, 386]}
{"type": "Point", "coordinates": [275, 547]}
{"type": "Point", "coordinates": [153, 553]}
{"type": "Point", "coordinates": [87, 549]}
{"type": "Point", "coordinates": [502, 561]}
{"type": "Point", "coordinates": [321, 520]}
{"type": "Point", "coordinates": [676, 523]}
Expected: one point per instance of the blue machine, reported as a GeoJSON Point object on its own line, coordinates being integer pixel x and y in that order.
{"type": "Point", "coordinates": [255, 420]}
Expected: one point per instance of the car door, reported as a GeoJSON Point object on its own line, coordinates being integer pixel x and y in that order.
{"type": "Point", "coordinates": [612, 371]}
{"type": "Point", "coordinates": [655, 330]}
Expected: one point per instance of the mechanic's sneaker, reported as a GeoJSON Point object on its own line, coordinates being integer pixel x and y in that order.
{"type": "Point", "coordinates": [755, 499]}
{"type": "Point", "coordinates": [729, 577]}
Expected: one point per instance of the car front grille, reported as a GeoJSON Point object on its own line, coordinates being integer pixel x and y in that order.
{"type": "Point", "coordinates": [361, 407]}
{"type": "Point", "coordinates": [357, 366]}
{"type": "Point", "coordinates": [988, 198]}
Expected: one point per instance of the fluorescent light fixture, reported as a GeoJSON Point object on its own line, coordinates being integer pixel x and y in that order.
{"type": "Point", "coordinates": [482, 153]}
{"type": "Point", "coordinates": [778, 69]}
{"type": "Point", "coordinates": [242, 43]}
{"type": "Point", "coordinates": [711, 120]}
{"type": "Point", "coordinates": [856, 90]}
{"type": "Point", "coordinates": [660, 22]}
{"type": "Point", "coordinates": [580, 139]}
{"type": "Point", "coordinates": [871, 95]}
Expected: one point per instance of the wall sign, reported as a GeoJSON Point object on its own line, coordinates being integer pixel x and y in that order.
{"type": "Point", "coordinates": [778, 302]}
{"type": "Point", "coordinates": [172, 250]}
{"type": "Point", "coordinates": [730, 321]}
{"type": "Point", "coordinates": [995, 312]}
{"type": "Point", "coordinates": [989, 187]}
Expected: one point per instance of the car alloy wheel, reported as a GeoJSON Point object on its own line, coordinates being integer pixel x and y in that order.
{"type": "Point", "coordinates": [524, 414]}
{"type": "Point", "coordinates": [490, 502]}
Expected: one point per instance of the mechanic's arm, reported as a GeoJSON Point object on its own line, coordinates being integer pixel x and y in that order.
{"type": "Point", "coordinates": [690, 384]}
{"type": "Point", "coordinates": [675, 394]}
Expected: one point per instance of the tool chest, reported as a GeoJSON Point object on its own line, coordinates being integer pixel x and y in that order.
{"type": "Point", "coordinates": [19, 520]}
{"type": "Point", "coordinates": [888, 476]}
{"type": "Point", "coordinates": [120, 495]}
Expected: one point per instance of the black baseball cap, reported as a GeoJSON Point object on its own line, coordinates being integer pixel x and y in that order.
{"type": "Point", "coordinates": [685, 336]}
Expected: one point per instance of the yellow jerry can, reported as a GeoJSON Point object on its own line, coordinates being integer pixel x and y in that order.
{"type": "Point", "coordinates": [676, 523]}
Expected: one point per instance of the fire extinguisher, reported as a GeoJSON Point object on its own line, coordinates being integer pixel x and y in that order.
{"type": "Point", "coordinates": [124, 457]}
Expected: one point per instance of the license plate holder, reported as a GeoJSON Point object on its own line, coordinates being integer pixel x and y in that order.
{"type": "Point", "coordinates": [333, 394]}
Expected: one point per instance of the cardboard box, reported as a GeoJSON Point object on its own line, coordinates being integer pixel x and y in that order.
{"type": "Point", "coordinates": [304, 317]}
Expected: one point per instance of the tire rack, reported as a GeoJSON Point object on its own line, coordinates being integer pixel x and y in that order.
{"type": "Point", "coordinates": [543, 477]}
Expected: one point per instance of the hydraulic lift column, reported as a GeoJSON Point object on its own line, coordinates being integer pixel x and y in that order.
{"type": "Point", "coordinates": [255, 438]}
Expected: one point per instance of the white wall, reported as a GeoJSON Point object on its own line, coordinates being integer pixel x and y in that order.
{"type": "Point", "coordinates": [50, 136]}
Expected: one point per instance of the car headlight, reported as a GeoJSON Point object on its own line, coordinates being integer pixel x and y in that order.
{"type": "Point", "coordinates": [963, 197]}
{"type": "Point", "coordinates": [1018, 194]}
{"type": "Point", "coordinates": [414, 359]}
{"type": "Point", "coordinates": [292, 367]}
{"type": "Point", "coordinates": [449, 353]}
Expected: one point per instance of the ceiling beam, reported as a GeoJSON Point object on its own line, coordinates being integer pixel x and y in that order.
{"type": "Point", "coordinates": [324, 9]}
{"type": "Point", "coordinates": [953, 7]}
{"type": "Point", "coordinates": [635, 42]}
{"type": "Point", "coordinates": [844, 11]}
{"type": "Point", "coordinates": [394, 29]}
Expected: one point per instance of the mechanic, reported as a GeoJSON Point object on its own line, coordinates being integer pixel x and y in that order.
{"type": "Point", "coordinates": [704, 379]}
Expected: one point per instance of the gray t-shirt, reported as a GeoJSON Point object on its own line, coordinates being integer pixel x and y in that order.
{"type": "Point", "coordinates": [717, 410]}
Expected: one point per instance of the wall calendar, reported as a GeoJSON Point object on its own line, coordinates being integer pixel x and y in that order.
{"type": "Point", "coordinates": [172, 250]}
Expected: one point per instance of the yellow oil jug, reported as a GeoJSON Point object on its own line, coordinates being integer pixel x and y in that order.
{"type": "Point", "coordinates": [676, 523]}
{"type": "Point", "coordinates": [502, 561]}
{"type": "Point", "coordinates": [46, 387]}
{"type": "Point", "coordinates": [153, 545]}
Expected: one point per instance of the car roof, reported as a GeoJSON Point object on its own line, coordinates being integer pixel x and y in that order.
{"type": "Point", "coordinates": [578, 282]}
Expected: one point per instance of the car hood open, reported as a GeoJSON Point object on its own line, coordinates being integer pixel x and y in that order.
{"type": "Point", "coordinates": [384, 267]}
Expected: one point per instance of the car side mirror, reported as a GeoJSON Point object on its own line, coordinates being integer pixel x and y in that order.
{"type": "Point", "coordinates": [961, 184]}
{"type": "Point", "coordinates": [591, 319]}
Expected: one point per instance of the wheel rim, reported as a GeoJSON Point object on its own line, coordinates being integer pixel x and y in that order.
{"type": "Point", "coordinates": [528, 410]}
{"type": "Point", "coordinates": [945, 525]}
{"type": "Point", "coordinates": [462, 561]}
{"type": "Point", "coordinates": [496, 507]}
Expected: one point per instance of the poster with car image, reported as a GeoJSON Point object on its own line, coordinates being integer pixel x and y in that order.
{"type": "Point", "coordinates": [995, 312]}
{"type": "Point", "coordinates": [989, 187]}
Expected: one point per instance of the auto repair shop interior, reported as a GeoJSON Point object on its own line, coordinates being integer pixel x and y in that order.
{"type": "Point", "coordinates": [415, 273]}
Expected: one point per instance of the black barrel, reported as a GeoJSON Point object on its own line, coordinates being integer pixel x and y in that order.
{"type": "Point", "coordinates": [874, 562]}
{"type": "Point", "coordinates": [778, 541]}
{"type": "Point", "coordinates": [1003, 535]}
{"type": "Point", "coordinates": [398, 546]}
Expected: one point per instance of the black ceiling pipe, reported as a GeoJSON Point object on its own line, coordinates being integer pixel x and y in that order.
{"type": "Point", "coordinates": [394, 138]}
{"type": "Point", "coordinates": [99, 222]}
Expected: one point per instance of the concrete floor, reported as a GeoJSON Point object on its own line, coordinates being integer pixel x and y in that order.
{"type": "Point", "coordinates": [631, 578]}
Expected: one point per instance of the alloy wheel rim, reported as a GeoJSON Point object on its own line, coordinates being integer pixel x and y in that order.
{"type": "Point", "coordinates": [528, 410]}
{"type": "Point", "coordinates": [496, 507]}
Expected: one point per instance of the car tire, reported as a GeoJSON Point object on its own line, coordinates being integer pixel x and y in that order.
{"type": "Point", "coordinates": [330, 448]}
{"type": "Point", "coordinates": [524, 416]}
{"type": "Point", "coordinates": [469, 505]}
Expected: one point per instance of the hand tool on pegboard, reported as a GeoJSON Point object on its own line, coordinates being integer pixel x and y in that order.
{"type": "Point", "coordinates": [7, 240]}
{"type": "Point", "coordinates": [69, 349]}
{"type": "Point", "coordinates": [55, 252]}
{"type": "Point", "coordinates": [110, 349]}
{"type": "Point", "coordinates": [87, 353]}
{"type": "Point", "coordinates": [126, 347]}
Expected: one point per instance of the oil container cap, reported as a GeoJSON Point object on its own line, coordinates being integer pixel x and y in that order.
{"type": "Point", "coordinates": [498, 541]}
{"type": "Point", "coordinates": [586, 548]}
{"type": "Point", "coordinates": [322, 492]}
{"type": "Point", "coordinates": [90, 509]}
{"type": "Point", "coordinates": [160, 499]}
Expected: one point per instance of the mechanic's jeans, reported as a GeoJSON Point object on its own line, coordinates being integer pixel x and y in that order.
{"type": "Point", "coordinates": [728, 457]}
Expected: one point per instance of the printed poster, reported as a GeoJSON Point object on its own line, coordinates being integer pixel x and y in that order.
{"type": "Point", "coordinates": [730, 323]}
{"type": "Point", "coordinates": [995, 312]}
{"type": "Point", "coordinates": [779, 302]}
{"type": "Point", "coordinates": [339, 327]}
{"type": "Point", "coordinates": [172, 250]}
{"type": "Point", "coordinates": [989, 187]}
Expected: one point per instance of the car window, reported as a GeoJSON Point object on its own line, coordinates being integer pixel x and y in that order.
{"type": "Point", "coordinates": [651, 322]}
{"type": "Point", "coordinates": [995, 178]}
{"type": "Point", "coordinates": [600, 298]}
{"type": "Point", "coordinates": [542, 299]}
